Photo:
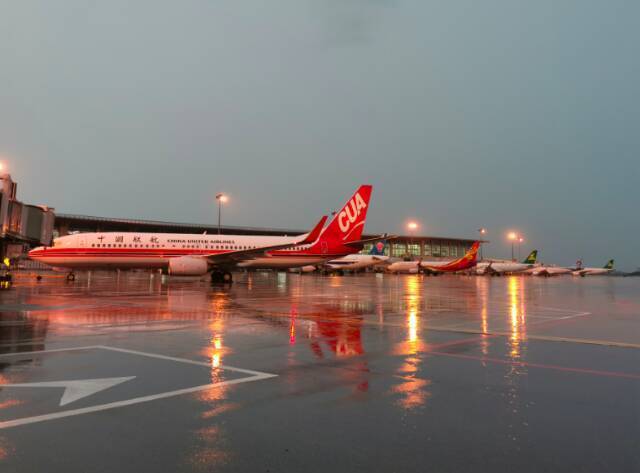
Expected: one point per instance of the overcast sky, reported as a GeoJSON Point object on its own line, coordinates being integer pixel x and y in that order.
{"type": "Point", "coordinates": [465, 113]}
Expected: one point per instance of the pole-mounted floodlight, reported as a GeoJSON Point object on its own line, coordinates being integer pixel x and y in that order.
{"type": "Point", "coordinates": [222, 199]}
{"type": "Point", "coordinates": [482, 231]}
{"type": "Point", "coordinates": [512, 236]}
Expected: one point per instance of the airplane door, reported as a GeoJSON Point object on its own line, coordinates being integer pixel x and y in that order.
{"type": "Point", "coordinates": [324, 247]}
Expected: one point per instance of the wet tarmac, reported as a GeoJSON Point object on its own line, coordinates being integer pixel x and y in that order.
{"type": "Point", "coordinates": [285, 372]}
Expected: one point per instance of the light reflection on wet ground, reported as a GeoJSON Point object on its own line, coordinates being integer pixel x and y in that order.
{"type": "Point", "coordinates": [389, 373]}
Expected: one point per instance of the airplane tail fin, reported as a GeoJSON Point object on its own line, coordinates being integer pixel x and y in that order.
{"type": "Point", "coordinates": [348, 223]}
{"type": "Point", "coordinates": [609, 264]}
{"type": "Point", "coordinates": [531, 259]}
{"type": "Point", "coordinates": [472, 254]}
{"type": "Point", "coordinates": [378, 248]}
{"type": "Point", "coordinates": [470, 258]}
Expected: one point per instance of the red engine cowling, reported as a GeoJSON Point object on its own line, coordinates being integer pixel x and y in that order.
{"type": "Point", "coordinates": [188, 266]}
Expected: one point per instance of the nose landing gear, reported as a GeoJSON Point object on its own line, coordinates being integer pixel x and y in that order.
{"type": "Point", "coordinates": [5, 280]}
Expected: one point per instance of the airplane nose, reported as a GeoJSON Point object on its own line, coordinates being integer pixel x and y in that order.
{"type": "Point", "coordinates": [35, 251]}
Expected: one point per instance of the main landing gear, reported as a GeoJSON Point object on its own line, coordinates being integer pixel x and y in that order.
{"type": "Point", "coordinates": [5, 280]}
{"type": "Point", "coordinates": [71, 276]}
{"type": "Point", "coordinates": [221, 277]}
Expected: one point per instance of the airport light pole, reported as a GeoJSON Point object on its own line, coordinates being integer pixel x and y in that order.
{"type": "Point", "coordinates": [513, 236]}
{"type": "Point", "coordinates": [221, 198]}
{"type": "Point", "coordinates": [520, 240]}
{"type": "Point", "coordinates": [482, 231]}
{"type": "Point", "coordinates": [412, 226]}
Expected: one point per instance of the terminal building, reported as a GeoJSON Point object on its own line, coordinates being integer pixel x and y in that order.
{"type": "Point", "coordinates": [21, 225]}
{"type": "Point", "coordinates": [402, 246]}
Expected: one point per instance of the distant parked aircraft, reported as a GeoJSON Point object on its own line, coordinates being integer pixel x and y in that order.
{"type": "Point", "coordinates": [468, 261]}
{"type": "Point", "coordinates": [594, 271]}
{"type": "Point", "coordinates": [548, 270]}
{"type": "Point", "coordinates": [499, 267]}
{"type": "Point", "coordinates": [357, 262]}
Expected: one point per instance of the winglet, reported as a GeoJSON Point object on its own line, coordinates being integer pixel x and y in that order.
{"type": "Point", "coordinates": [315, 233]}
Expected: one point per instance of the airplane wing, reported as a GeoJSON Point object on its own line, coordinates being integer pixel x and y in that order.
{"type": "Point", "coordinates": [378, 260]}
{"type": "Point", "coordinates": [486, 269]}
{"type": "Point", "coordinates": [372, 240]}
{"type": "Point", "coordinates": [233, 257]}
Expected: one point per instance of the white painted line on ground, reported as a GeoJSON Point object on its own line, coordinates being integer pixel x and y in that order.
{"type": "Point", "coordinates": [560, 309]}
{"type": "Point", "coordinates": [181, 360]}
{"type": "Point", "coordinates": [53, 350]}
{"type": "Point", "coordinates": [75, 389]}
{"type": "Point", "coordinates": [585, 341]}
{"type": "Point", "coordinates": [255, 376]}
{"type": "Point", "coordinates": [573, 316]}
{"type": "Point", "coordinates": [127, 402]}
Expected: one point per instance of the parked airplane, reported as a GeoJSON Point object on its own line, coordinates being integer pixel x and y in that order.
{"type": "Point", "coordinates": [357, 262]}
{"type": "Point", "coordinates": [196, 255]}
{"type": "Point", "coordinates": [468, 261]}
{"type": "Point", "coordinates": [411, 267]}
{"type": "Point", "coordinates": [545, 270]}
{"type": "Point", "coordinates": [354, 262]}
{"type": "Point", "coordinates": [594, 271]}
{"type": "Point", "coordinates": [499, 267]}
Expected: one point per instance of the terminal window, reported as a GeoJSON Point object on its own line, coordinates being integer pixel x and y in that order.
{"type": "Point", "coordinates": [414, 249]}
{"type": "Point", "coordinates": [399, 249]}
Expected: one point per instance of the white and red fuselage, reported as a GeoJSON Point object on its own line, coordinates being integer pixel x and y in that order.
{"type": "Point", "coordinates": [468, 261]}
{"type": "Point", "coordinates": [191, 254]}
{"type": "Point", "coordinates": [154, 250]}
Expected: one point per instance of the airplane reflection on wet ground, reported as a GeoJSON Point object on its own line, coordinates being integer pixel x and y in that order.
{"type": "Point", "coordinates": [388, 373]}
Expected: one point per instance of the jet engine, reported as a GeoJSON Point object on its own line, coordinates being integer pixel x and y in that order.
{"type": "Point", "coordinates": [188, 266]}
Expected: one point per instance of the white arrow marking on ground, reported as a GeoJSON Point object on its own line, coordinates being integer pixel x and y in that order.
{"type": "Point", "coordinates": [76, 389]}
